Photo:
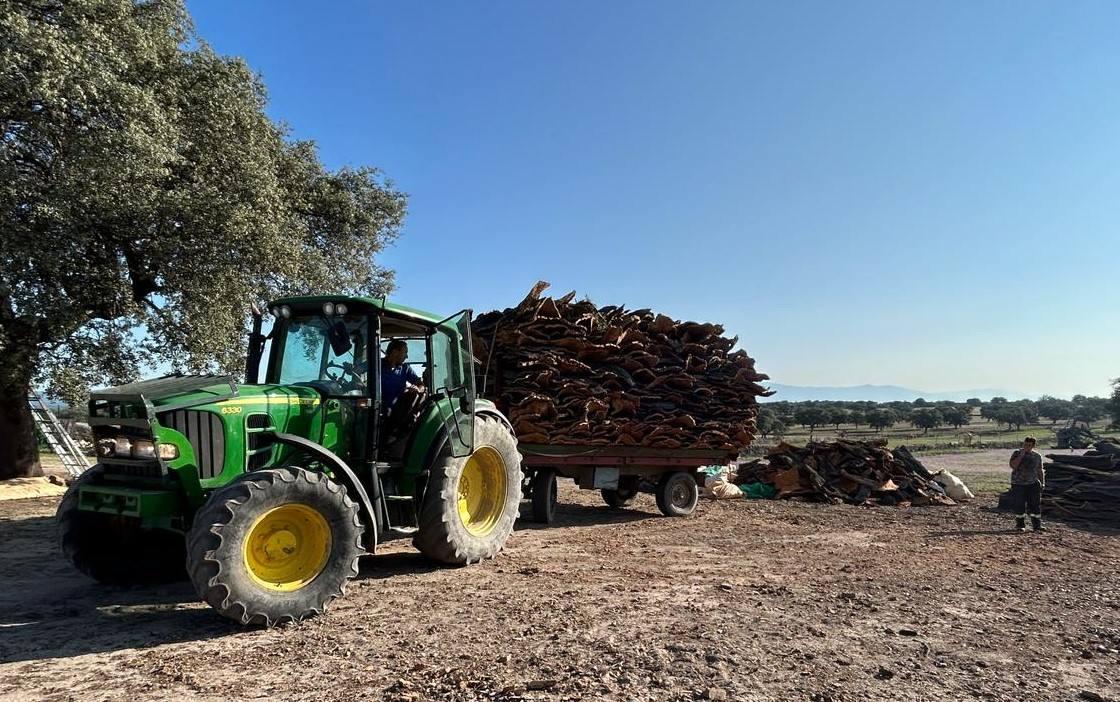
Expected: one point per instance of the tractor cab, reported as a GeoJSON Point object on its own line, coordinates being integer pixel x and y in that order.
{"type": "Point", "coordinates": [379, 368]}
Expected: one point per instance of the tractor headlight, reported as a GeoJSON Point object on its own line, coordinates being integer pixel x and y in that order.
{"type": "Point", "coordinates": [328, 309]}
{"type": "Point", "coordinates": [143, 449]}
{"type": "Point", "coordinates": [340, 308]}
{"type": "Point", "coordinates": [122, 446]}
{"type": "Point", "coordinates": [106, 447]}
{"type": "Point", "coordinates": [168, 451]}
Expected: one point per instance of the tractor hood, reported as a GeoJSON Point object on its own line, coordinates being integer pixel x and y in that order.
{"type": "Point", "coordinates": [174, 390]}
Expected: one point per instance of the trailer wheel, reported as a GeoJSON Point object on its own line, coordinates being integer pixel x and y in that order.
{"type": "Point", "coordinates": [115, 550]}
{"type": "Point", "coordinates": [544, 496]}
{"type": "Point", "coordinates": [620, 498]}
{"type": "Point", "coordinates": [677, 494]}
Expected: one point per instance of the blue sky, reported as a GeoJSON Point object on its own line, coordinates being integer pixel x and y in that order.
{"type": "Point", "coordinates": [864, 192]}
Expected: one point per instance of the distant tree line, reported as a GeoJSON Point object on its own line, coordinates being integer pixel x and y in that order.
{"type": "Point", "coordinates": [777, 418]}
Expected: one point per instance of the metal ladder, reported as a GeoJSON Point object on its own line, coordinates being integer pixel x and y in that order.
{"type": "Point", "coordinates": [60, 442]}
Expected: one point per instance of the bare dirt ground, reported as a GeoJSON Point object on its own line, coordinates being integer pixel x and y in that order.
{"type": "Point", "coordinates": [992, 461]}
{"type": "Point", "coordinates": [742, 601]}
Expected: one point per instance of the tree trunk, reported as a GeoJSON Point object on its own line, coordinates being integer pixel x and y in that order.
{"type": "Point", "coordinates": [19, 451]}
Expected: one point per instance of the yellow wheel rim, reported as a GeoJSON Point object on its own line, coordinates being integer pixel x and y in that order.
{"type": "Point", "coordinates": [287, 547]}
{"type": "Point", "coordinates": [482, 491]}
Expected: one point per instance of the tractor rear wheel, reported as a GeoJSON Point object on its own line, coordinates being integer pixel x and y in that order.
{"type": "Point", "coordinates": [113, 549]}
{"type": "Point", "coordinates": [274, 546]}
{"type": "Point", "coordinates": [472, 501]}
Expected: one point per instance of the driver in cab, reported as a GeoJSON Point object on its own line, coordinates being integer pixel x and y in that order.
{"type": "Point", "coordinates": [396, 375]}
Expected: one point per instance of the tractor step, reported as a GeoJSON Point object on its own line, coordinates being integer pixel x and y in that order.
{"type": "Point", "coordinates": [398, 498]}
{"type": "Point", "coordinates": [403, 530]}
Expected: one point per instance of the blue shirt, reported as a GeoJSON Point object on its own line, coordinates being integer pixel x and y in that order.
{"type": "Point", "coordinates": [394, 381]}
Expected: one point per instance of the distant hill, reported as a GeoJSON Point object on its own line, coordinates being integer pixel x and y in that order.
{"type": "Point", "coordinates": [880, 393]}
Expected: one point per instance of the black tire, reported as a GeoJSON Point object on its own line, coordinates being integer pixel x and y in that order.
{"type": "Point", "coordinates": [443, 535]}
{"type": "Point", "coordinates": [620, 498]}
{"type": "Point", "coordinates": [544, 496]}
{"type": "Point", "coordinates": [226, 526]}
{"type": "Point", "coordinates": [115, 550]}
{"type": "Point", "coordinates": [677, 494]}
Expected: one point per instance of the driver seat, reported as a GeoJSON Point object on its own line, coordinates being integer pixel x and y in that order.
{"type": "Point", "coordinates": [400, 420]}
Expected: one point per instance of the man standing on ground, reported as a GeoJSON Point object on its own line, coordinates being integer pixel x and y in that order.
{"type": "Point", "coordinates": [1027, 481]}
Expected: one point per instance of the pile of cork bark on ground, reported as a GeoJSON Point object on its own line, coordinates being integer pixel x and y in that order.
{"type": "Point", "coordinates": [854, 472]}
{"type": "Point", "coordinates": [1084, 487]}
{"type": "Point", "coordinates": [569, 372]}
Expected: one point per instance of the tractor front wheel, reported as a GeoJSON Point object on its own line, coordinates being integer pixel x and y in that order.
{"type": "Point", "coordinates": [274, 546]}
{"type": "Point", "coordinates": [472, 501]}
{"type": "Point", "coordinates": [112, 549]}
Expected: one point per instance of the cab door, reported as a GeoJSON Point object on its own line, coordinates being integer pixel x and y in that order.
{"type": "Point", "coordinates": [453, 380]}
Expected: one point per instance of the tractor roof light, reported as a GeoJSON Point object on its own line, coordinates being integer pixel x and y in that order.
{"type": "Point", "coordinates": [275, 312]}
{"type": "Point", "coordinates": [328, 309]}
{"type": "Point", "coordinates": [286, 312]}
{"type": "Point", "coordinates": [340, 308]}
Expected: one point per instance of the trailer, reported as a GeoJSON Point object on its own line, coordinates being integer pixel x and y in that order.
{"type": "Point", "coordinates": [620, 473]}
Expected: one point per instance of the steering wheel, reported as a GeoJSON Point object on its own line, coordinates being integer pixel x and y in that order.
{"type": "Point", "coordinates": [353, 383]}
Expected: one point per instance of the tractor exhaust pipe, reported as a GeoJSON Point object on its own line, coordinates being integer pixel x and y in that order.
{"type": "Point", "coordinates": [256, 347]}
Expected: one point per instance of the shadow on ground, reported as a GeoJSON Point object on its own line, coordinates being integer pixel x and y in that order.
{"type": "Point", "coordinates": [569, 515]}
{"type": "Point", "coordinates": [1052, 518]}
{"type": "Point", "coordinates": [50, 610]}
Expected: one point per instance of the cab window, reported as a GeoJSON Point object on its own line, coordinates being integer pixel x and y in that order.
{"type": "Point", "coordinates": [328, 354]}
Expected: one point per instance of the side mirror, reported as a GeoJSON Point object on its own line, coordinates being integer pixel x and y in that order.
{"type": "Point", "coordinates": [339, 338]}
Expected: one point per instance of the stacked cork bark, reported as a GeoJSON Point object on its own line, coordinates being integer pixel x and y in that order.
{"type": "Point", "coordinates": [568, 372]}
{"type": "Point", "coordinates": [855, 472]}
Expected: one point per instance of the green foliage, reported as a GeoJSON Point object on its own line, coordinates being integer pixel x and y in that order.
{"type": "Point", "coordinates": [766, 421]}
{"type": "Point", "coordinates": [879, 419]}
{"type": "Point", "coordinates": [974, 402]}
{"type": "Point", "coordinates": [1089, 411]}
{"type": "Point", "coordinates": [999, 400]}
{"type": "Point", "coordinates": [1054, 409]}
{"type": "Point", "coordinates": [1114, 403]}
{"type": "Point", "coordinates": [1030, 410]}
{"type": "Point", "coordinates": [927, 418]}
{"type": "Point", "coordinates": [990, 411]}
{"type": "Point", "coordinates": [956, 416]}
{"type": "Point", "coordinates": [837, 416]}
{"type": "Point", "coordinates": [1011, 414]}
{"type": "Point", "coordinates": [148, 199]}
{"type": "Point", "coordinates": [811, 416]}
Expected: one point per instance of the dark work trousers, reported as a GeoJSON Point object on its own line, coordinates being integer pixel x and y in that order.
{"type": "Point", "coordinates": [1026, 501]}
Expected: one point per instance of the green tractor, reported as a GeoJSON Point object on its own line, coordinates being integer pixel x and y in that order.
{"type": "Point", "coordinates": [270, 492]}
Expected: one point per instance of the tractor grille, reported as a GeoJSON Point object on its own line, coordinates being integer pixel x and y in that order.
{"type": "Point", "coordinates": [207, 436]}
